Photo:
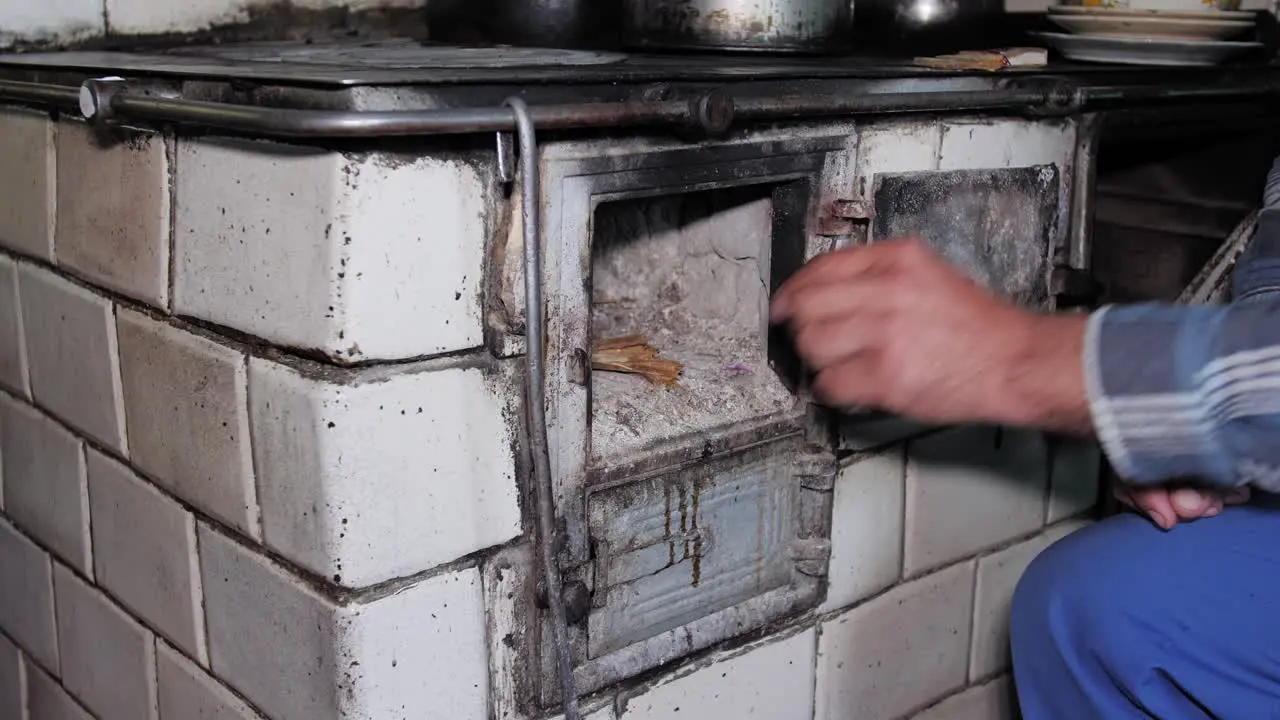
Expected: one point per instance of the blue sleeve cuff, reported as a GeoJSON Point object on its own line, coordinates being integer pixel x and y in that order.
{"type": "Point", "coordinates": [1142, 366]}
{"type": "Point", "coordinates": [1104, 424]}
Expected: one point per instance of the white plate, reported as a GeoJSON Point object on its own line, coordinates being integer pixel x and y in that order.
{"type": "Point", "coordinates": [1151, 27]}
{"type": "Point", "coordinates": [1079, 10]}
{"type": "Point", "coordinates": [1126, 51]}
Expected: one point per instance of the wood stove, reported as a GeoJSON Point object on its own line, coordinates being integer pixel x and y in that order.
{"type": "Point", "coordinates": [674, 195]}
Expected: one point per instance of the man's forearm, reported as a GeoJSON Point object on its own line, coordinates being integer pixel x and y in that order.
{"type": "Point", "coordinates": [1171, 392]}
{"type": "Point", "coordinates": [1045, 386]}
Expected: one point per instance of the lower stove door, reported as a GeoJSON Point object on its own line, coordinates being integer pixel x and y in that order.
{"type": "Point", "coordinates": [696, 553]}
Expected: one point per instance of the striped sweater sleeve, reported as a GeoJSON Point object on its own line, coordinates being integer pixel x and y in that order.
{"type": "Point", "coordinates": [1194, 392]}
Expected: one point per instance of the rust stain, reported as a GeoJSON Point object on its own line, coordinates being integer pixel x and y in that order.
{"type": "Point", "coordinates": [760, 519]}
{"type": "Point", "coordinates": [697, 536]}
{"type": "Point", "coordinates": [671, 544]}
{"type": "Point", "coordinates": [684, 521]}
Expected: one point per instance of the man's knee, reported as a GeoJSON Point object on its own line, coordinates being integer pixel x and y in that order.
{"type": "Point", "coordinates": [1071, 655]}
{"type": "Point", "coordinates": [1121, 615]}
{"type": "Point", "coordinates": [1064, 603]}
{"type": "Point", "coordinates": [1047, 596]}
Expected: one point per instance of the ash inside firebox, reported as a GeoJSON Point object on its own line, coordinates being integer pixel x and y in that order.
{"type": "Point", "coordinates": [690, 273]}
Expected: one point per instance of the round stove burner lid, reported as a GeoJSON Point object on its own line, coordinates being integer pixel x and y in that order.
{"type": "Point", "coordinates": [405, 55]}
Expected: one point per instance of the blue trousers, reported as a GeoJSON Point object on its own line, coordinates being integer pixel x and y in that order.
{"type": "Point", "coordinates": [1122, 620]}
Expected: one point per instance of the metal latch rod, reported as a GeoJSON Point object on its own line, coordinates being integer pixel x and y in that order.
{"type": "Point", "coordinates": [711, 112]}
{"type": "Point", "coordinates": [535, 401]}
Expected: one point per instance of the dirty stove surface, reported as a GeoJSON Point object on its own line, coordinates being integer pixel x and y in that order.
{"type": "Point", "coordinates": [367, 75]}
{"type": "Point", "coordinates": [407, 62]}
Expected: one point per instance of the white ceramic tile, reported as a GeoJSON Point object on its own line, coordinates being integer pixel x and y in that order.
{"type": "Point", "coordinates": [896, 146]}
{"type": "Point", "coordinates": [998, 575]}
{"type": "Point", "coordinates": [113, 210]}
{"type": "Point", "coordinates": [1074, 477]}
{"type": "Point", "coordinates": [26, 144]}
{"type": "Point", "coordinates": [47, 700]}
{"type": "Point", "coordinates": [186, 400]}
{"type": "Point", "coordinates": [773, 681]}
{"type": "Point", "coordinates": [866, 528]}
{"type": "Point", "coordinates": [505, 580]}
{"type": "Point", "coordinates": [145, 553]}
{"type": "Point", "coordinates": [13, 354]}
{"type": "Point", "coordinates": [359, 257]}
{"type": "Point", "coordinates": [969, 489]}
{"type": "Point", "coordinates": [187, 692]}
{"type": "Point", "coordinates": [48, 21]}
{"type": "Point", "coordinates": [385, 478]}
{"type": "Point", "coordinates": [13, 686]}
{"type": "Point", "coordinates": [898, 652]}
{"type": "Point", "coordinates": [108, 659]}
{"type": "Point", "coordinates": [71, 351]}
{"type": "Point", "coordinates": [44, 482]}
{"type": "Point", "coordinates": [989, 143]}
{"type": "Point", "coordinates": [26, 605]}
{"type": "Point", "coordinates": [992, 701]}
{"type": "Point", "coordinates": [418, 652]}
{"type": "Point", "coordinates": [146, 17]}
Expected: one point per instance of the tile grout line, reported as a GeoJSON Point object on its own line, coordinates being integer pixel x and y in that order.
{"type": "Point", "coordinates": [90, 569]}
{"type": "Point", "coordinates": [155, 676]}
{"type": "Point", "coordinates": [973, 624]}
{"type": "Point", "coordinates": [171, 265]}
{"type": "Point", "coordinates": [197, 591]}
{"type": "Point", "coordinates": [258, 519]}
{"type": "Point", "coordinates": [817, 649]}
{"type": "Point", "coordinates": [22, 673]}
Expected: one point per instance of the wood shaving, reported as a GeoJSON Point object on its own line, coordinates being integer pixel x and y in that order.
{"type": "Point", "coordinates": [632, 354]}
{"type": "Point", "coordinates": [990, 60]}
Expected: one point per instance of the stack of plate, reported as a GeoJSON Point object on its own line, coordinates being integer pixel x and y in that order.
{"type": "Point", "coordinates": [1151, 32]}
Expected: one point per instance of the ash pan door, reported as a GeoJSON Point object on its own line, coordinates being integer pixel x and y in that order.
{"type": "Point", "coordinates": [997, 224]}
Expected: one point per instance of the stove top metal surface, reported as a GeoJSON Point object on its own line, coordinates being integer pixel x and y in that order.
{"type": "Point", "coordinates": [404, 62]}
{"type": "Point", "coordinates": [404, 55]}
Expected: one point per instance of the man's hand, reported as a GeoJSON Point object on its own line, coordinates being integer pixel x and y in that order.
{"type": "Point", "coordinates": [894, 326]}
{"type": "Point", "coordinates": [1168, 506]}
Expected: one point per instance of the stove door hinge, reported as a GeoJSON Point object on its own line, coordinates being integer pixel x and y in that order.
{"type": "Point", "coordinates": [812, 556]}
{"type": "Point", "coordinates": [506, 157]}
{"type": "Point", "coordinates": [843, 217]}
{"type": "Point", "coordinates": [816, 471]}
{"type": "Point", "coordinates": [816, 474]}
{"type": "Point", "coordinates": [1073, 287]}
{"type": "Point", "coordinates": [575, 595]}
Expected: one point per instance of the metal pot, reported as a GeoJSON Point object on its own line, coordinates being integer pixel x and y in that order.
{"type": "Point", "coordinates": [566, 24]}
{"type": "Point", "coordinates": [913, 27]}
{"type": "Point", "coordinates": [773, 25]}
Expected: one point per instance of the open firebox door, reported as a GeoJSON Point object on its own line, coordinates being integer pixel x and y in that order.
{"type": "Point", "coordinates": [692, 481]}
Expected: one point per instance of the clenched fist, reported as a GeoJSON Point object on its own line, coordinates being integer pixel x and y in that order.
{"type": "Point", "coordinates": [894, 326]}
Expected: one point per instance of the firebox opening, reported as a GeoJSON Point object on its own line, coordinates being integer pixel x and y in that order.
{"type": "Point", "coordinates": [690, 273]}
